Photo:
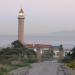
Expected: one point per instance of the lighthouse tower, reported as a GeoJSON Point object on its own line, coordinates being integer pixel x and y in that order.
{"type": "Point", "coordinates": [21, 18]}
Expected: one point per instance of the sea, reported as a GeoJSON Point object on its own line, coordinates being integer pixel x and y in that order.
{"type": "Point", "coordinates": [68, 42]}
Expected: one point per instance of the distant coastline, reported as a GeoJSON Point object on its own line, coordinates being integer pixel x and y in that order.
{"type": "Point", "coordinates": [68, 42]}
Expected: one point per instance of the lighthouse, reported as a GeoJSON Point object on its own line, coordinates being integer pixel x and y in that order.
{"type": "Point", "coordinates": [21, 19]}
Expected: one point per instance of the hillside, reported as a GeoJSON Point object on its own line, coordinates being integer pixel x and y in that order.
{"type": "Point", "coordinates": [64, 33]}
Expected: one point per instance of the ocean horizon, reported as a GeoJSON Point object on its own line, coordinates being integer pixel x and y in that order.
{"type": "Point", "coordinates": [68, 42]}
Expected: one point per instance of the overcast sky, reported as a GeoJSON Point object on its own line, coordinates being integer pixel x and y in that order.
{"type": "Point", "coordinates": [42, 16]}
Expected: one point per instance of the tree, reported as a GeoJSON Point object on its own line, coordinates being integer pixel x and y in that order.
{"type": "Point", "coordinates": [70, 56]}
{"type": "Point", "coordinates": [17, 44]}
{"type": "Point", "coordinates": [73, 54]}
{"type": "Point", "coordinates": [61, 47]}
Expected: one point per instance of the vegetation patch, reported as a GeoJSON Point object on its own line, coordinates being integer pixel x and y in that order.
{"type": "Point", "coordinates": [15, 57]}
{"type": "Point", "coordinates": [69, 60]}
{"type": "Point", "coordinates": [71, 64]}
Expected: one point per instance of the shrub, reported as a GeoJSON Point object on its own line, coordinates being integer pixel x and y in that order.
{"type": "Point", "coordinates": [3, 71]}
{"type": "Point", "coordinates": [71, 64]}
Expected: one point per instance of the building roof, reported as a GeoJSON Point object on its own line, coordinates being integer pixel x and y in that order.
{"type": "Point", "coordinates": [38, 46]}
{"type": "Point", "coordinates": [29, 45]}
{"type": "Point", "coordinates": [56, 47]}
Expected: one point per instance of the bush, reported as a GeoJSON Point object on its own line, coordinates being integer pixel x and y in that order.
{"type": "Point", "coordinates": [32, 60]}
{"type": "Point", "coordinates": [3, 71]}
{"type": "Point", "coordinates": [71, 64]}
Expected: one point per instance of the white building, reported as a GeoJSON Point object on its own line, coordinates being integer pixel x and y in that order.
{"type": "Point", "coordinates": [43, 48]}
{"type": "Point", "coordinates": [56, 51]}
